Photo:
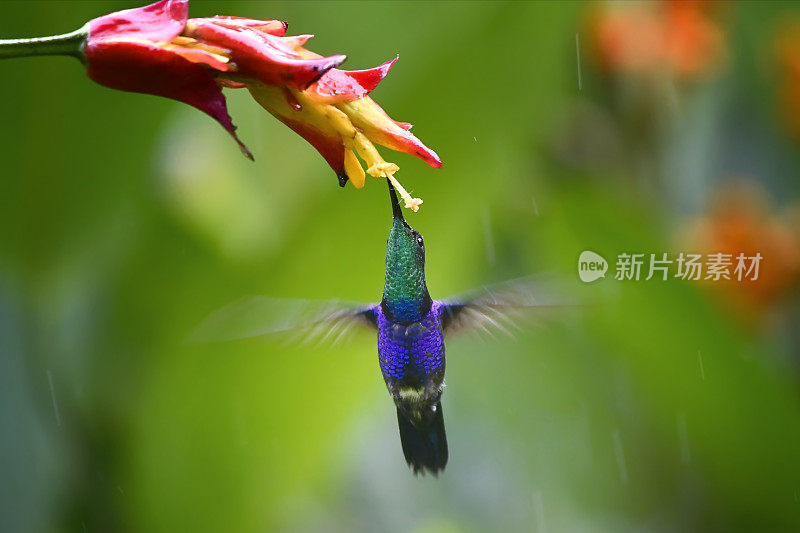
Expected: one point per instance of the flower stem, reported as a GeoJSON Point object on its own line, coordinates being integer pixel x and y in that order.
{"type": "Point", "coordinates": [69, 44]}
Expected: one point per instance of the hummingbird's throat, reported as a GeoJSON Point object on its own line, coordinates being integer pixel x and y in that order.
{"type": "Point", "coordinates": [405, 295]}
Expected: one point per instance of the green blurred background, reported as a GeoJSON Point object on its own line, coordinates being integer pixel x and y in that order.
{"type": "Point", "coordinates": [128, 218]}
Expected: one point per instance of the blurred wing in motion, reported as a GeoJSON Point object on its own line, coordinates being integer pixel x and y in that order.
{"type": "Point", "coordinates": [304, 320]}
{"type": "Point", "coordinates": [502, 307]}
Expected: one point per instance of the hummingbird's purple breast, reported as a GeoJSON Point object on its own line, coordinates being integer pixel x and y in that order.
{"type": "Point", "coordinates": [411, 354]}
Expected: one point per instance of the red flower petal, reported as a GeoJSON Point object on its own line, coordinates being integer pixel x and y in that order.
{"type": "Point", "coordinates": [379, 128]}
{"type": "Point", "coordinates": [403, 141]}
{"type": "Point", "coordinates": [348, 85]}
{"type": "Point", "coordinates": [297, 41]}
{"type": "Point", "coordinates": [261, 55]}
{"type": "Point", "coordinates": [159, 22]}
{"type": "Point", "coordinates": [142, 67]}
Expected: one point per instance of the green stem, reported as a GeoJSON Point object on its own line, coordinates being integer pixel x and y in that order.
{"type": "Point", "coordinates": [69, 44]}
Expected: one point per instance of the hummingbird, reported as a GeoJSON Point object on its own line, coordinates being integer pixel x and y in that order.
{"type": "Point", "coordinates": [411, 331]}
{"type": "Point", "coordinates": [411, 350]}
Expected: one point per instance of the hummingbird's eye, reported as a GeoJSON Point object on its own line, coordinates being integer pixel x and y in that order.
{"type": "Point", "coordinates": [419, 240]}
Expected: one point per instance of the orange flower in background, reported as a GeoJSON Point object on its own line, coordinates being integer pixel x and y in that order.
{"type": "Point", "coordinates": [741, 220]}
{"type": "Point", "coordinates": [678, 37]}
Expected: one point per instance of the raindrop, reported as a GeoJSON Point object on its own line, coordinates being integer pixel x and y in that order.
{"type": "Point", "coordinates": [53, 396]}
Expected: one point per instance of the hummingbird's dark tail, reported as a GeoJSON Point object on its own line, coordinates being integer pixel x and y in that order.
{"type": "Point", "coordinates": [425, 445]}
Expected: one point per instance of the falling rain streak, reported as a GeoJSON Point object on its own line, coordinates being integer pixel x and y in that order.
{"type": "Point", "coordinates": [53, 396]}
{"type": "Point", "coordinates": [538, 511]}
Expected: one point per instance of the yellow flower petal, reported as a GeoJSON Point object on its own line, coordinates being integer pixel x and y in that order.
{"type": "Point", "coordinates": [353, 168]}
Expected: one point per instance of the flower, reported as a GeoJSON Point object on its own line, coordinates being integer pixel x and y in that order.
{"type": "Point", "coordinates": [742, 220]}
{"type": "Point", "coordinates": [140, 50]}
{"type": "Point", "coordinates": [158, 50]}
{"type": "Point", "coordinates": [644, 38]}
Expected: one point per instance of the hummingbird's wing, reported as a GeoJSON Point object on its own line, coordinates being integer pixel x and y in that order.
{"type": "Point", "coordinates": [503, 306]}
{"type": "Point", "coordinates": [309, 320]}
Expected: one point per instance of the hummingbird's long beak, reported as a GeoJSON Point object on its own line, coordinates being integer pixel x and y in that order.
{"type": "Point", "coordinates": [397, 211]}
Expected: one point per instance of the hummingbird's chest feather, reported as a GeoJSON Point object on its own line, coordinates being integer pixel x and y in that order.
{"type": "Point", "coordinates": [411, 355]}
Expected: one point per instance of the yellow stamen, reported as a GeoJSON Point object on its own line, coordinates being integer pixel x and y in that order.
{"type": "Point", "coordinates": [382, 170]}
{"type": "Point", "coordinates": [411, 203]}
{"type": "Point", "coordinates": [379, 168]}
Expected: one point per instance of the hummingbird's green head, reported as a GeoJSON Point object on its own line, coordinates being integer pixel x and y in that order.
{"type": "Point", "coordinates": [405, 294]}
